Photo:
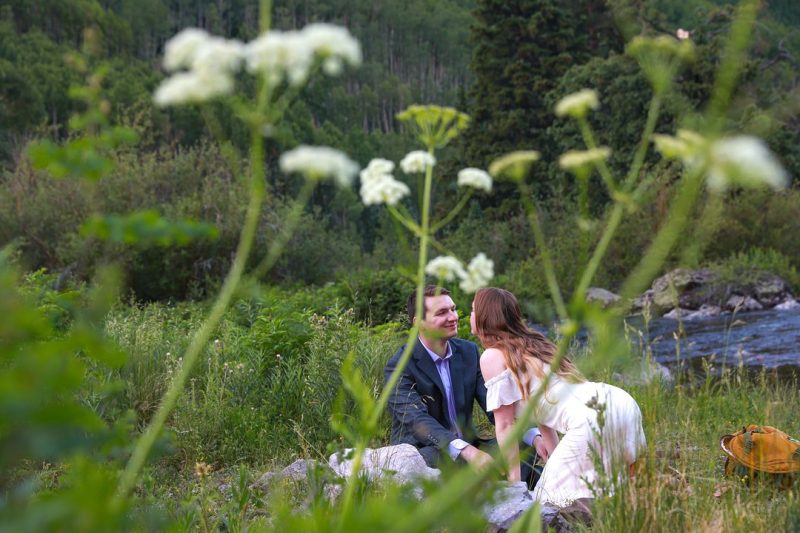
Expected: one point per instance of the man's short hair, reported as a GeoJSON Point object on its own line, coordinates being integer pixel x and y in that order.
{"type": "Point", "coordinates": [429, 290]}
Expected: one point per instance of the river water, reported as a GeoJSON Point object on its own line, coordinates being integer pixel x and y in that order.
{"type": "Point", "coordinates": [757, 340]}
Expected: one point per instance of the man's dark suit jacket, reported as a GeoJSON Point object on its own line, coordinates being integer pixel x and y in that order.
{"type": "Point", "coordinates": [418, 405]}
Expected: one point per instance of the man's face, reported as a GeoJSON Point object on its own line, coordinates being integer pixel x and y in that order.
{"type": "Point", "coordinates": [441, 318]}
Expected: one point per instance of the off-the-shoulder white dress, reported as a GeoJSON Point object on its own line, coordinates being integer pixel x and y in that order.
{"type": "Point", "coordinates": [570, 471]}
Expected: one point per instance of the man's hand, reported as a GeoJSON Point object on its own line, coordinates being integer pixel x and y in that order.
{"type": "Point", "coordinates": [541, 449]}
{"type": "Point", "coordinates": [475, 457]}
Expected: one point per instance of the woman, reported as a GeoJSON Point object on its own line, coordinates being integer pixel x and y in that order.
{"type": "Point", "coordinates": [515, 365]}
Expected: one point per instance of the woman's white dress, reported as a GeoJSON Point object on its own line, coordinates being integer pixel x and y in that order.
{"type": "Point", "coordinates": [612, 441]}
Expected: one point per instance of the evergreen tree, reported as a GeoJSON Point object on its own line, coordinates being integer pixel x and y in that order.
{"type": "Point", "coordinates": [522, 48]}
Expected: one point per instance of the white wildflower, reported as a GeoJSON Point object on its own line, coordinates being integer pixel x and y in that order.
{"type": "Point", "coordinates": [446, 267]}
{"type": "Point", "coordinates": [278, 55]}
{"type": "Point", "coordinates": [289, 55]}
{"type": "Point", "coordinates": [191, 87]}
{"type": "Point", "coordinates": [382, 189]}
{"type": "Point", "coordinates": [682, 34]}
{"type": "Point", "coordinates": [334, 45]}
{"type": "Point", "coordinates": [578, 104]}
{"type": "Point", "coordinates": [179, 52]}
{"type": "Point", "coordinates": [579, 159]}
{"type": "Point", "coordinates": [317, 162]}
{"type": "Point", "coordinates": [218, 55]}
{"type": "Point", "coordinates": [474, 177]}
{"type": "Point", "coordinates": [417, 161]}
{"type": "Point", "coordinates": [377, 167]}
{"type": "Point", "coordinates": [479, 272]}
{"type": "Point", "coordinates": [743, 160]}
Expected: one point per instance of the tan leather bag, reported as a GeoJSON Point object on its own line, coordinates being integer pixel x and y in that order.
{"type": "Point", "coordinates": [762, 453]}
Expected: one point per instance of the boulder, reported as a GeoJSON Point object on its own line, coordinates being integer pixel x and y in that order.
{"type": "Point", "coordinates": [683, 288]}
{"type": "Point", "coordinates": [742, 303]}
{"type": "Point", "coordinates": [788, 305]}
{"type": "Point", "coordinates": [510, 502]}
{"type": "Point", "coordinates": [402, 462]}
{"type": "Point", "coordinates": [575, 517]}
{"type": "Point", "coordinates": [602, 297]}
{"type": "Point", "coordinates": [297, 471]}
{"type": "Point", "coordinates": [705, 311]}
{"type": "Point", "coordinates": [770, 290]}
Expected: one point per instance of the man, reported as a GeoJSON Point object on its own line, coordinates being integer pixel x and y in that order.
{"type": "Point", "coordinates": [432, 403]}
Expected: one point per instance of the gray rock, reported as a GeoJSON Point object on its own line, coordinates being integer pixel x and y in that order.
{"type": "Point", "coordinates": [742, 303]}
{"type": "Point", "coordinates": [788, 305]}
{"type": "Point", "coordinates": [668, 289]}
{"type": "Point", "coordinates": [297, 471]}
{"type": "Point", "coordinates": [510, 502]}
{"type": "Point", "coordinates": [678, 313]}
{"type": "Point", "coordinates": [601, 296]}
{"type": "Point", "coordinates": [576, 516]}
{"type": "Point", "coordinates": [639, 303]}
{"type": "Point", "coordinates": [705, 311]}
{"type": "Point", "coordinates": [402, 462]}
{"type": "Point", "coordinates": [770, 290]}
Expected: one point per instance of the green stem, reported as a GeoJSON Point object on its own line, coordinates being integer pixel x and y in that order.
{"type": "Point", "coordinates": [145, 443]}
{"type": "Point", "coordinates": [544, 252]}
{"type": "Point", "coordinates": [602, 167]}
{"type": "Point", "coordinates": [451, 215]}
{"type": "Point", "coordinates": [292, 219]}
{"type": "Point", "coordinates": [391, 383]}
{"type": "Point", "coordinates": [650, 125]}
{"type": "Point", "coordinates": [257, 192]}
{"type": "Point", "coordinates": [662, 244]}
{"type": "Point", "coordinates": [618, 210]}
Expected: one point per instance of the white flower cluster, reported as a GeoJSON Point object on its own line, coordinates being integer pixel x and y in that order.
{"type": "Point", "coordinates": [475, 177]}
{"type": "Point", "coordinates": [741, 160]}
{"type": "Point", "coordinates": [290, 55]}
{"type": "Point", "coordinates": [578, 104]}
{"type": "Point", "coordinates": [378, 186]}
{"type": "Point", "coordinates": [318, 162]}
{"type": "Point", "coordinates": [211, 62]}
{"type": "Point", "coordinates": [477, 274]}
{"type": "Point", "coordinates": [417, 161]}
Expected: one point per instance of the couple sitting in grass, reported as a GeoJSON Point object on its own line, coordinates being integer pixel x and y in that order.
{"type": "Point", "coordinates": [431, 406]}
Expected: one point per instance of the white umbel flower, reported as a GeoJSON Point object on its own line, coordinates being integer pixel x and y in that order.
{"type": "Point", "coordinates": [334, 45]}
{"type": "Point", "coordinates": [318, 162]}
{"type": "Point", "coordinates": [217, 55]}
{"type": "Point", "coordinates": [578, 104]}
{"type": "Point", "coordinates": [417, 161]}
{"type": "Point", "coordinates": [289, 55]}
{"type": "Point", "coordinates": [475, 177]}
{"type": "Point", "coordinates": [192, 87]}
{"type": "Point", "coordinates": [179, 52]}
{"type": "Point", "coordinates": [446, 267]}
{"type": "Point", "coordinates": [378, 186]}
{"type": "Point", "coordinates": [479, 272]}
{"type": "Point", "coordinates": [746, 161]}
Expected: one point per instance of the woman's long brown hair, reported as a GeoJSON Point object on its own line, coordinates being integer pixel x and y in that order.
{"type": "Point", "coordinates": [499, 324]}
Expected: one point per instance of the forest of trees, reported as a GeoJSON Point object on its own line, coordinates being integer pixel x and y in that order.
{"type": "Point", "coordinates": [505, 63]}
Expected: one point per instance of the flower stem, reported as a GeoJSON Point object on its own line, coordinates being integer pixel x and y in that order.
{"type": "Point", "coordinates": [390, 384]}
{"type": "Point", "coordinates": [544, 252]}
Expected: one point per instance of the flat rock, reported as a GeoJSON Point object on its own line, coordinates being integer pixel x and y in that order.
{"type": "Point", "coordinates": [788, 305]}
{"type": "Point", "coordinates": [511, 502]}
{"type": "Point", "coordinates": [601, 296]}
{"type": "Point", "coordinates": [743, 303]}
{"type": "Point", "coordinates": [297, 471]}
{"type": "Point", "coordinates": [402, 462]}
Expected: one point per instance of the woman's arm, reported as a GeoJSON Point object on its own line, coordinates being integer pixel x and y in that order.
{"type": "Point", "coordinates": [550, 438]}
{"type": "Point", "coordinates": [504, 418]}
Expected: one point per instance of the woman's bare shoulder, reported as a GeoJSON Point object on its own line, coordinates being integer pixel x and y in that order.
{"type": "Point", "coordinates": [492, 363]}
